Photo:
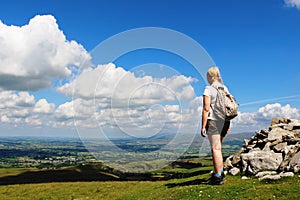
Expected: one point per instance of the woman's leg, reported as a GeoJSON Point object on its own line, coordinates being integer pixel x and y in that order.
{"type": "Point", "coordinates": [216, 148]}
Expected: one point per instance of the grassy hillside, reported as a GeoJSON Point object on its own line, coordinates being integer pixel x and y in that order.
{"type": "Point", "coordinates": [184, 179]}
{"type": "Point", "coordinates": [193, 186]}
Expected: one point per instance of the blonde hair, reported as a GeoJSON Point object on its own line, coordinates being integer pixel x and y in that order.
{"type": "Point", "coordinates": [214, 74]}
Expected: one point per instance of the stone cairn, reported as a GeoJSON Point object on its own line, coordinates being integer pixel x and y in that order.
{"type": "Point", "coordinates": [270, 154]}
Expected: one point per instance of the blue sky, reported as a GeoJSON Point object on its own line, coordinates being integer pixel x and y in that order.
{"type": "Point", "coordinates": [255, 43]}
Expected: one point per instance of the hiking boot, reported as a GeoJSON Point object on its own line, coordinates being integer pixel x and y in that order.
{"type": "Point", "coordinates": [223, 175]}
{"type": "Point", "coordinates": [216, 180]}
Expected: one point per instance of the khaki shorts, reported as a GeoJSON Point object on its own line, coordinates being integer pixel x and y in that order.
{"type": "Point", "coordinates": [217, 128]}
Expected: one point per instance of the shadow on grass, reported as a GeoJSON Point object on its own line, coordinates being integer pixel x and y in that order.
{"type": "Point", "coordinates": [87, 173]}
{"type": "Point", "coordinates": [69, 175]}
{"type": "Point", "coordinates": [178, 175]}
{"type": "Point", "coordinates": [48, 176]}
{"type": "Point", "coordinates": [187, 183]}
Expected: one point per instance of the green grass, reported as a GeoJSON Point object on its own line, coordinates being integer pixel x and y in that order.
{"type": "Point", "coordinates": [188, 189]}
{"type": "Point", "coordinates": [15, 171]}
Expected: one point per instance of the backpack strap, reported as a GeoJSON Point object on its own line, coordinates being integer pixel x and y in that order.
{"type": "Point", "coordinates": [216, 88]}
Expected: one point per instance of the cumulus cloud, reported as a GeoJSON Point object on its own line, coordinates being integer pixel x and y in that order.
{"type": "Point", "coordinates": [10, 99]}
{"type": "Point", "coordinates": [138, 121]}
{"type": "Point", "coordinates": [31, 56]}
{"type": "Point", "coordinates": [108, 82]}
{"type": "Point", "coordinates": [262, 118]}
{"type": "Point", "coordinates": [22, 108]}
{"type": "Point", "coordinates": [293, 3]}
{"type": "Point", "coordinates": [111, 96]}
{"type": "Point", "coordinates": [123, 101]}
{"type": "Point", "coordinates": [42, 106]}
{"type": "Point", "coordinates": [277, 110]}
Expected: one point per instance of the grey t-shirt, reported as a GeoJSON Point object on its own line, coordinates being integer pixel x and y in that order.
{"type": "Point", "coordinates": [211, 92]}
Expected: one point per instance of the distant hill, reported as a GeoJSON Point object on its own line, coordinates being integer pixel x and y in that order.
{"type": "Point", "coordinates": [238, 138]}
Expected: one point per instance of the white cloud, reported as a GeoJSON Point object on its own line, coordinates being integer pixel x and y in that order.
{"type": "Point", "coordinates": [277, 110]}
{"type": "Point", "coordinates": [112, 97]}
{"type": "Point", "coordinates": [172, 108]}
{"type": "Point", "coordinates": [4, 119]}
{"type": "Point", "coordinates": [24, 99]}
{"type": "Point", "coordinates": [108, 82]}
{"type": "Point", "coordinates": [262, 118]}
{"type": "Point", "coordinates": [21, 108]}
{"type": "Point", "coordinates": [31, 56]}
{"type": "Point", "coordinates": [293, 3]}
{"type": "Point", "coordinates": [9, 99]}
{"type": "Point", "coordinates": [196, 105]}
{"type": "Point", "coordinates": [139, 121]}
{"type": "Point", "coordinates": [65, 111]}
{"type": "Point", "coordinates": [42, 106]}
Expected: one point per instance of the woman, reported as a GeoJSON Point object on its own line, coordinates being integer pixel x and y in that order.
{"type": "Point", "coordinates": [212, 127]}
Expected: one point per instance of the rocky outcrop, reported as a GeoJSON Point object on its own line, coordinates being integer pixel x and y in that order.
{"type": "Point", "coordinates": [276, 149]}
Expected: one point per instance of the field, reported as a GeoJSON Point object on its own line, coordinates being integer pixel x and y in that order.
{"type": "Point", "coordinates": [47, 170]}
{"type": "Point", "coordinates": [195, 187]}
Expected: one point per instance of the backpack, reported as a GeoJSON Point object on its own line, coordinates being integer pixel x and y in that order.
{"type": "Point", "coordinates": [225, 107]}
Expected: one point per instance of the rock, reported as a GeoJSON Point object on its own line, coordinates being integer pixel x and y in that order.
{"type": "Point", "coordinates": [296, 169]}
{"type": "Point", "coordinates": [244, 177]}
{"type": "Point", "coordinates": [281, 125]}
{"type": "Point", "coordinates": [287, 158]}
{"type": "Point", "coordinates": [267, 147]}
{"type": "Point", "coordinates": [270, 177]}
{"type": "Point", "coordinates": [286, 174]}
{"type": "Point", "coordinates": [291, 138]}
{"type": "Point", "coordinates": [275, 121]}
{"type": "Point", "coordinates": [250, 147]}
{"type": "Point", "coordinates": [296, 133]}
{"type": "Point", "coordinates": [294, 125]}
{"type": "Point", "coordinates": [234, 171]}
{"type": "Point", "coordinates": [260, 144]}
{"type": "Point", "coordinates": [261, 160]}
{"type": "Point", "coordinates": [276, 134]}
{"type": "Point", "coordinates": [295, 162]}
{"type": "Point", "coordinates": [246, 141]}
{"type": "Point", "coordinates": [261, 174]}
{"type": "Point", "coordinates": [244, 165]}
{"type": "Point", "coordinates": [275, 142]}
{"type": "Point", "coordinates": [280, 121]}
{"type": "Point", "coordinates": [287, 149]}
{"type": "Point", "coordinates": [237, 157]}
{"type": "Point", "coordinates": [276, 149]}
{"type": "Point", "coordinates": [295, 121]}
{"type": "Point", "coordinates": [280, 147]}
{"type": "Point", "coordinates": [262, 134]}
{"type": "Point", "coordinates": [255, 149]}
{"type": "Point", "coordinates": [288, 127]}
{"type": "Point", "coordinates": [250, 170]}
{"type": "Point", "coordinates": [228, 163]}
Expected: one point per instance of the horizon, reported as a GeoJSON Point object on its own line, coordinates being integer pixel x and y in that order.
{"type": "Point", "coordinates": [58, 137]}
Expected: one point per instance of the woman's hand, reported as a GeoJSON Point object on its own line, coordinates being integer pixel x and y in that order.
{"type": "Point", "coordinates": [203, 132]}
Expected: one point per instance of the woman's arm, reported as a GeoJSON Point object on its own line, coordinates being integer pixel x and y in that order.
{"type": "Point", "coordinates": [205, 113]}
